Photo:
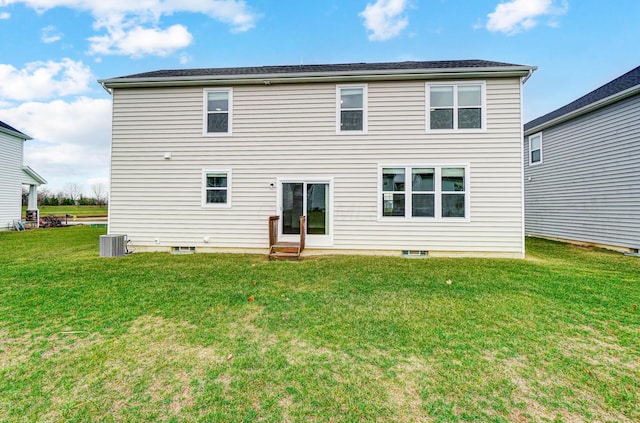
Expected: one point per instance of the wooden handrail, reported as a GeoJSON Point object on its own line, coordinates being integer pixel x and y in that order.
{"type": "Point", "coordinates": [303, 231]}
{"type": "Point", "coordinates": [273, 230]}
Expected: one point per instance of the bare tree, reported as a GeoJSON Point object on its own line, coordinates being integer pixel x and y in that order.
{"type": "Point", "coordinates": [25, 196]}
{"type": "Point", "coordinates": [100, 193]}
{"type": "Point", "coordinates": [73, 191]}
{"type": "Point", "coordinates": [43, 193]}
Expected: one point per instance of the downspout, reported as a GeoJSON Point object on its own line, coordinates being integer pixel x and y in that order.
{"type": "Point", "coordinates": [522, 202]}
{"type": "Point", "coordinates": [524, 78]}
{"type": "Point", "coordinates": [104, 87]}
{"type": "Point", "coordinates": [110, 91]}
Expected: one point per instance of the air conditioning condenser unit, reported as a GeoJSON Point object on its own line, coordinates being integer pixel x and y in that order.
{"type": "Point", "coordinates": [113, 245]}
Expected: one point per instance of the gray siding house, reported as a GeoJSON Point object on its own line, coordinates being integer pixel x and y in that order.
{"type": "Point", "coordinates": [381, 158]}
{"type": "Point", "coordinates": [582, 168]}
{"type": "Point", "coordinates": [13, 175]}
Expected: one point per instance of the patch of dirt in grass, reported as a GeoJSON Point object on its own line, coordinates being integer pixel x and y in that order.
{"type": "Point", "coordinates": [404, 389]}
{"type": "Point", "coordinates": [285, 404]}
{"type": "Point", "coordinates": [300, 351]}
{"type": "Point", "coordinates": [150, 368]}
{"type": "Point", "coordinates": [597, 349]}
{"type": "Point", "coordinates": [16, 350]}
{"type": "Point", "coordinates": [532, 396]}
{"type": "Point", "coordinates": [13, 350]}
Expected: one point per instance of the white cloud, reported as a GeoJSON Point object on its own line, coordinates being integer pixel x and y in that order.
{"type": "Point", "coordinates": [5, 15]}
{"type": "Point", "coordinates": [384, 19]}
{"type": "Point", "coordinates": [521, 15]}
{"type": "Point", "coordinates": [50, 34]}
{"type": "Point", "coordinates": [70, 139]}
{"type": "Point", "coordinates": [124, 20]}
{"type": "Point", "coordinates": [138, 41]}
{"type": "Point", "coordinates": [44, 80]}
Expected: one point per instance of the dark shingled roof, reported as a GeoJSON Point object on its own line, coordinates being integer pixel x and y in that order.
{"type": "Point", "coordinates": [346, 67]}
{"type": "Point", "coordinates": [11, 128]}
{"type": "Point", "coordinates": [618, 85]}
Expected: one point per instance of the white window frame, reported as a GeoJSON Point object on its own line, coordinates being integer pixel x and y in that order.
{"type": "Point", "coordinates": [531, 162]}
{"type": "Point", "coordinates": [206, 172]}
{"type": "Point", "coordinates": [455, 85]}
{"type": "Point", "coordinates": [408, 191]}
{"type": "Point", "coordinates": [205, 112]}
{"type": "Point", "coordinates": [339, 89]}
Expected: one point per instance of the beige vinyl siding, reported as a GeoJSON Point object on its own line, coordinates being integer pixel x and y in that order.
{"type": "Point", "coordinates": [11, 175]}
{"type": "Point", "coordinates": [286, 131]}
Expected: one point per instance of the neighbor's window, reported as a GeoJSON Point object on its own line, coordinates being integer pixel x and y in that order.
{"type": "Point", "coordinates": [424, 192]}
{"type": "Point", "coordinates": [216, 188]}
{"type": "Point", "coordinates": [455, 106]}
{"type": "Point", "coordinates": [535, 149]}
{"type": "Point", "coordinates": [352, 108]}
{"type": "Point", "coordinates": [217, 111]}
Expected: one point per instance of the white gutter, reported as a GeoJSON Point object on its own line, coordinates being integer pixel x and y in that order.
{"type": "Point", "coordinates": [585, 109]}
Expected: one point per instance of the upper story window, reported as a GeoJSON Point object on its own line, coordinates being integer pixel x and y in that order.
{"type": "Point", "coordinates": [455, 107]}
{"type": "Point", "coordinates": [217, 111]}
{"type": "Point", "coordinates": [352, 109]}
{"type": "Point", "coordinates": [438, 192]}
{"type": "Point", "coordinates": [216, 188]}
{"type": "Point", "coordinates": [535, 149]}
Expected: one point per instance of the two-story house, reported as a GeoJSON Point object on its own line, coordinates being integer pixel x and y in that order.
{"type": "Point", "coordinates": [415, 157]}
{"type": "Point", "coordinates": [13, 175]}
{"type": "Point", "coordinates": [582, 168]}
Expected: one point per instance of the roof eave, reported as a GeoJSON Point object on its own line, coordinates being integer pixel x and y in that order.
{"type": "Point", "coordinates": [585, 109]}
{"type": "Point", "coordinates": [16, 134]}
{"type": "Point", "coordinates": [301, 77]}
{"type": "Point", "coordinates": [34, 175]}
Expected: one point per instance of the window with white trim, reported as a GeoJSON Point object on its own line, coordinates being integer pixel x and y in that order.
{"type": "Point", "coordinates": [217, 111]}
{"type": "Point", "coordinates": [535, 149]}
{"type": "Point", "coordinates": [216, 188]}
{"type": "Point", "coordinates": [438, 192]}
{"type": "Point", "coordinates": [351, 113]}
{"type": "Point", "coordinates": [455, 107]}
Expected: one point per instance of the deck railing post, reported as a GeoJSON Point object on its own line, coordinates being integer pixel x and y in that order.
{"type": "Point", "coordinates": [303, 231]}
{"type": "Point", "coordinates": [273, 230]}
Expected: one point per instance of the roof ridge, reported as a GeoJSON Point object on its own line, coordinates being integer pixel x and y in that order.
{"type": "Point", "coordinates": [304, 68]}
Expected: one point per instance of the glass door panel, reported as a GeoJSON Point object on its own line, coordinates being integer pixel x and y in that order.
{"type": "Point", "coordinates": [292, 207]}
{"type": "Point", "coordinates": [317, 209]}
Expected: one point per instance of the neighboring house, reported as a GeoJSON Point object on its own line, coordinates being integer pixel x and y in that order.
{"type": "Point", "coordinates": [421, 157]}
{"type": "Point", "coordinates": [582, 168]}
{"type": "Point", "coordinates": [13, 175]}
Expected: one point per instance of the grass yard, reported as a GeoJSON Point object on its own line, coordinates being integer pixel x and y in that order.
{"type": "Point", "coordinates": [79, 211]}
{"type": "Point", "coordinates": [555, 337]}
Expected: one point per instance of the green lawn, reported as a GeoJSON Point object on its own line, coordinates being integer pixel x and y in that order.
{"type": "Point", "coordinates": [79, 211]}
{"type": "Point", "coordinates": [148, 337]}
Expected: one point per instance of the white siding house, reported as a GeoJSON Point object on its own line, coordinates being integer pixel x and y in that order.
{"type": "Point", "coordinates": [13, 175]}
{"type": "Point", "coordinates": [381, 158]}
{"type": "Point", "coordinates": [582, 168]}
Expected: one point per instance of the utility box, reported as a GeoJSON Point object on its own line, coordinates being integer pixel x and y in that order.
{"type": "Point", "coordinates": [113, 245]}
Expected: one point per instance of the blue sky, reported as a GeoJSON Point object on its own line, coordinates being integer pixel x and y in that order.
{"type": "Point", "coordinates": [54, 50]}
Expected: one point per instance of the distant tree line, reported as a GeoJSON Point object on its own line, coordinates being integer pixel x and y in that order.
{"type": "Point", "coordinates": [71, 195]}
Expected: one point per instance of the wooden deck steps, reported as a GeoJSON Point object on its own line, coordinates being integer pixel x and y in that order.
{"type": "Point", "coordinates": [285, 251]}
{"type": "Point", "coordinates": [279, 250]}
